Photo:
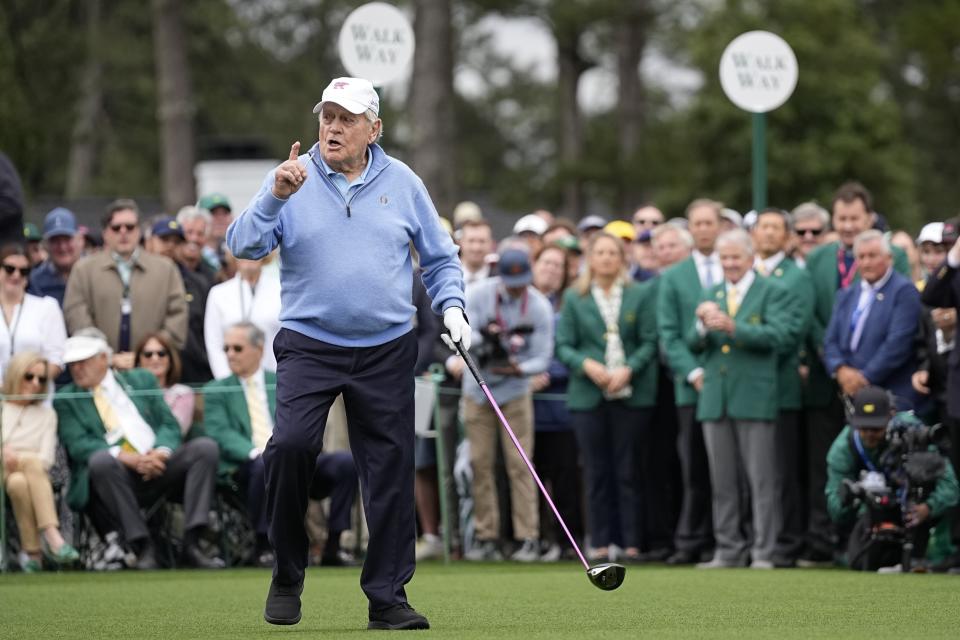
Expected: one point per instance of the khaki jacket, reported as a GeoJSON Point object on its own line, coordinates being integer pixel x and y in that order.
{"type": "Point", "coordinates": [95, 292]}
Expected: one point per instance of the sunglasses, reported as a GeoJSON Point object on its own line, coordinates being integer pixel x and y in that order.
{"type": "Point", "coordinates": [10, 270]}
{"type": "Point", "coordinates": [30, 377]}
{"type": "Point", "coordinates": [644, 221]}
{"type": "Point", "coordinates": [129, 226]}
{"type": "Point", "coordinates": [237, 348]}
{"type": "Point", "coordinates": [813, 232]}
{"type": "Point", "coordinates": [159, 353]}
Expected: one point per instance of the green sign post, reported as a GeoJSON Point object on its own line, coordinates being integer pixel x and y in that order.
{"type": "Point", "coordinates": [758, 72]}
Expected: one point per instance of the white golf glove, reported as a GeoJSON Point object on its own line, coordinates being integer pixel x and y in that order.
{"type": "Point", "coordinates": [456, 324]}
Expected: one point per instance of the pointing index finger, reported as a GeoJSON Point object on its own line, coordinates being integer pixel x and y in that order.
{"type": "Point", "coordinates": [295, 150]}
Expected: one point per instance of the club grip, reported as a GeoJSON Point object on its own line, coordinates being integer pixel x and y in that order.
{"type": "Point", "coordinates": [471, 364]}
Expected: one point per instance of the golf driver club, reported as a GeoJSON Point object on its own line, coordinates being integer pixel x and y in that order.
{"type": "Point", "coordinates": [607, 576]}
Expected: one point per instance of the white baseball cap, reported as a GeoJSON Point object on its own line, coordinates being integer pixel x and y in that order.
{"type": "Point", "coordinates": [931, 232]}
{"type": "Point", "coordinates": [531, 223]}
{"type": "Point", "coordinates": [356, 95]}
{"type": "Point", "coordinates": [79, 348]}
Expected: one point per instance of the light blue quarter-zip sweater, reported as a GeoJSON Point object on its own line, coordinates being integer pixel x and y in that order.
{"type": "Point", "coordinates": [346, 268]}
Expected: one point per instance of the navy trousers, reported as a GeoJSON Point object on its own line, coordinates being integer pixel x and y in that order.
{"type": "Point", "coordinates": [377, 384]}
{"type": "Point", "coordinates": [334, 477]}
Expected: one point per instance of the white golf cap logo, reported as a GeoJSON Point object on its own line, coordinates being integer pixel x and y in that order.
{"type": "Point", "coordinates": [356, 95]}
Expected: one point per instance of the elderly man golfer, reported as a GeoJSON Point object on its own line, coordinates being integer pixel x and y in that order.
{"type": "Point", "coordinates": [345, 215]}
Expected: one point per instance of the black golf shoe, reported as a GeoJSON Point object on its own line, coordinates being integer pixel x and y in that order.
{"type": "Point", "coordinates": [397, 617]}
{"type": "Point", "coordinates": [283, 604]}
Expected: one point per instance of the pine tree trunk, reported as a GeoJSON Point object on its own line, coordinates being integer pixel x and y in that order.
{"type": "Point", "coordinates": [175, 107]}
{"type": "Point", "coordinates": [431, 103]}
{"type": "Point", "coordinates": [83, 139]}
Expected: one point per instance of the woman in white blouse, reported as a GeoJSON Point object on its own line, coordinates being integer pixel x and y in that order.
{"type": "Point", "coordinates": [29, 445]}
{"type": "Point", "coordinates": [30, 323]}
{"type": "Point", "coordinates": [253, 295]}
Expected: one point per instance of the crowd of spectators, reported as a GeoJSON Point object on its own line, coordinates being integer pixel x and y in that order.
{"type": "Point", "coordinates": [677, 381]}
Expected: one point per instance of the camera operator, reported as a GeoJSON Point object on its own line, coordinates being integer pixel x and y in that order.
{"type": "Point", "coordinates": [513, 340]}
{"type": "Point", "coordinates": [888, 480]}
{"type": "Point", "coordinates": [942, 292]}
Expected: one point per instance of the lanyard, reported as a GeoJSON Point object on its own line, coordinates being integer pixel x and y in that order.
{"type": "Point", "coordinates": [846, 277]}
{"type": "Point", "coordinates": [16, 323]}
{"type": "Point", "coordinates": [860, 450]}
{"type": "Point", "coordinates": [523, 308]}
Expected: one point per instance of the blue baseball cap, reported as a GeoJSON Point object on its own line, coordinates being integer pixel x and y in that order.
{"type": "Point", "coordinates": [59, 222]}
{"type": "Point", "coordinates": [514, 268]}
{"type": "Point", "coordinates": [167, 226]}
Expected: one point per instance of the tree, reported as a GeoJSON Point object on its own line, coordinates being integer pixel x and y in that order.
{"type": "Point", "coordinates": [431, 103]}
{"type": "Point", "coordinates": [83, 138]}
{"type": "Point", "coordinates": [841, 122]}
{"type": "Point", "coordinates": [175, 107]}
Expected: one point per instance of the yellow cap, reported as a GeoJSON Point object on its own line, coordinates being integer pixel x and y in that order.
{"type": "Point", "coordinates": [621, 229]}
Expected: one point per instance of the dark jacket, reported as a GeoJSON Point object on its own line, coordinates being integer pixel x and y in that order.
{"type": "Point", "coordinates": [885, 354]}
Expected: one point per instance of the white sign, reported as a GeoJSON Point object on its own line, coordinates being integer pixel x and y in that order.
{"type": "Point", "coordinates": [376, 43]}
{"type": "Point", "coordinates": [758, 71]}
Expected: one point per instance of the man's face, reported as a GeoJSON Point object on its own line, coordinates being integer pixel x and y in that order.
{"type": "Point", "coordinates": [735, 260]}
{"type": "Point", "coordinates": [123, 233]}
{"type": "Point", "coordinates": [872, 438]}
{"type": "Point", "coordinates": [770, 234]}
{"type": "Point", "coordinates": [164, 245]}
{"type": "Point", "coordinates": [475, 243]}
{"type": "Point", "coordinates": [646, 218]}
{"type": "Point", "coordinates": [932, 256]}
{"type": "Point", "coordinates": [704, 226]}
{"type": "Point", "coordinates": [243, 357]}
{"type": "Point", "coordinates": [344, 137]}
{"type": "Point", "coordinates": [533, 241]}
{"type": "Point", "coordinates": [810, 234]}
{"type": "Point", "coordinates": [195, 235]}
{"type": "Point", "coordinates": [850, 219]}
{"type": "Point", "coordinates": [90, 372]}
{"type": "Point", "coordinates": [669, 249]}
{"type": "Point", "coordinates": [63, 251]}
{"type": "Point", "coordinates": [872, 261]}
{"type": "Point", "coordinates": [221, 220]}
{"type": "Point", "coordinates": [35, 253]}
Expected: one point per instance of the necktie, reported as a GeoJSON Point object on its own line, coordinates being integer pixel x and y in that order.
{"type": "Point", "coordinates": [708, 273]}
{"type": "Point", "coordinates": [258, 415]}
{"type": "Point", "coordinates": [858, 319]}
{"type": "Point", "coordinates": [761, 268]}
{"type": "Point", "coordinates": [733, 302]}
{"type": "Point", "coordinates": [111, 422]}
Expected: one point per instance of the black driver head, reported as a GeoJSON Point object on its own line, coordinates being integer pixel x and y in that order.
{"type": "Point", "coordinates": [607, 576]}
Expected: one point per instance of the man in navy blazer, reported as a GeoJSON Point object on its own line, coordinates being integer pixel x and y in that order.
{"type": "Point", "coordinates": [870, 338]}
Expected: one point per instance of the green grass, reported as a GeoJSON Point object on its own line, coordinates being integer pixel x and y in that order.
{"type": "Point", "coordinates": [492, 601]}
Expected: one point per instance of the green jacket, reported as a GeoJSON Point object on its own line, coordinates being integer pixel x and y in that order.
{"type": "Point", "coordinates": [822, 267]}
{"type": "Point", "coordinates": [796, 282]}
{"type": "Point", "coordinates": [740, 371]}
{"type": "Point", "coordinates": [843, 462]}
{"type": "Point", "coordinates": [679, 293]}
{"type": "Point", "coordinates": [81, 429]}
{"type": "Point", "coordinates": [580, 330]}
{"type": "Point", "coordinates": [227, 420]}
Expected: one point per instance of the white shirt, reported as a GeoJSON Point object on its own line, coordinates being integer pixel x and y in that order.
{"type": "Point", "coordinates": [867, 293]}
{"type": "Point", "coordinates": [133, 428]}
{"type": "Point", "coordinates": [37, 325]}
{"type": "Point", "coordinates": [716, 271]}
{"type": "Point", "coordinates": [769, 265]}
{"type": "Point", "coordinates": [741, 292]}
{"type": "Point", "coordinates": [470, 277]}
{"type": "Point", "coordinates": [234, 301]}
{"type": "Point", "coordinates": [741, 287]}
{"type": "Point", "coordinates": [259, 382]}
